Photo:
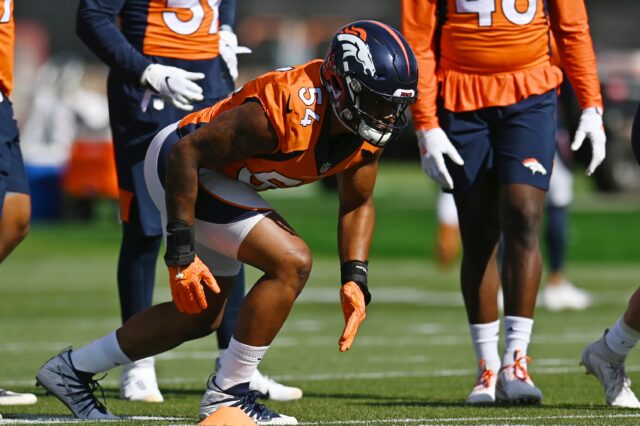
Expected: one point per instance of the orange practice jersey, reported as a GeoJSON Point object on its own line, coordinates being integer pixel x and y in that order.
{"type": "Point", "coordinates": [7, 41]}
{"type": "Point", "coordinates": [188, 30]}
{"type": "Point", "coordinates": [483, 53]}
{"type": "Point", "coordinates": [298, 107]}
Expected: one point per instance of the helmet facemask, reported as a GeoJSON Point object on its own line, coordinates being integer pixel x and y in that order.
{"type": "Point", "coordinates": [377, 118]}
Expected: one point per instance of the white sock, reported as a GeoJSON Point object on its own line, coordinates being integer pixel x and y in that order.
{"type": "Point", "coordinates": [148, 362]}
{"type": "Point", "coordinates": [517, 336]}
{"type": "Point", "coordinates": [102, 354]}
{"type": "Point", "coordinates": [621, 338]}
{"type": "Point", "coordinates": [485, 342]}
{"type": "Point", "coordinates": [238, 363]}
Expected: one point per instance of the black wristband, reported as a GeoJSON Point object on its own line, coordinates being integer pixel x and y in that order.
{"type": "Point", "coordinates": [356, 271]}
{"type": "Point", "coordinates": [181, 247]}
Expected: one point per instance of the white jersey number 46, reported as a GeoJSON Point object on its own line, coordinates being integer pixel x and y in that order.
{"type": "Point", "coordinates": [486, 8]}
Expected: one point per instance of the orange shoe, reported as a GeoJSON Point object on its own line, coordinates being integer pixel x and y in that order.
{"type": "Point", "coordinates": [447, 245]}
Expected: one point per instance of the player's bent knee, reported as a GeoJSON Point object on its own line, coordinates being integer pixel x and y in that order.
{"type": "Point", "coordinates": [297, 267]}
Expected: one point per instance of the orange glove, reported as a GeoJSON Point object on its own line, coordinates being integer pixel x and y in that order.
{"type": "Point", "coordinates": [187, 286]}
{"type": "Point", "coordinates": [353, 308]}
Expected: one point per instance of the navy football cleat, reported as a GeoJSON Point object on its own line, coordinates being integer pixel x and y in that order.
{"type": "Point", "coordinates": [242, 397]}
{"type": "Point", "coordinates": [74, 388]}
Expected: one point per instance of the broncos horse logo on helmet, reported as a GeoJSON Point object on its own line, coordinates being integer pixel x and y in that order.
{"type": "Point", "coordinates": [371, 75]}
{"type": "Point", "coordinates": [352, 45]}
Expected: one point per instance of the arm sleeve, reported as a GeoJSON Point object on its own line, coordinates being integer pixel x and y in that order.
{"type": "Point", "coordinates": [96, 27]}
{"type": "Point", "coordinates": [419, 25]}
{"type": "Point", "coordinates": [570, 27]}
{"type": "Point", "coordinates": [228, 13]}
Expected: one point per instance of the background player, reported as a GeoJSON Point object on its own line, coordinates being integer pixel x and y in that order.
{"type": "Point", "coordinates": [558, 293]}
{"type": "Point", "coordinates": [489, 107]}
{"type": "Point", "coordinates": [286, 128]}
{"type": "Point", "coordinates": [605, 357]}
{"type": "Point", "coordinates": [164, 61]}
{"type": "Point", "coordinates": [15, 202]}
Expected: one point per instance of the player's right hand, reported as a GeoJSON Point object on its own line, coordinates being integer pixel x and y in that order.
{"type": "Point", "coordinates": [187, 286]}
{"type": "Point", "coordinates": [354, 312]}
{"type": "Point", "coordinates": [174, 84]}
{"type": "Point", "coordinates": [434, 145]}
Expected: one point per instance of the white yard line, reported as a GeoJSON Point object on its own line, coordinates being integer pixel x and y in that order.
{"type": "Point", "coordinates": [367, 375]}
{"type": "Point", "coordinates": [444, 338]}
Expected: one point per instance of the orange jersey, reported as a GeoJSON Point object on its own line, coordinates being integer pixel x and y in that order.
{"type": "Point", "coordinates": [189, 30]}
{"type": "Point", "coordinates": [7, 41]}
{"type": "Point", "coordinates": [297, 106]}
{"type": "Point", "coordinates": [496, 53]}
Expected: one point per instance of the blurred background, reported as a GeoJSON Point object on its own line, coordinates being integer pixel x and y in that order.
{"type": "Point", "coordinates": [61, 105]}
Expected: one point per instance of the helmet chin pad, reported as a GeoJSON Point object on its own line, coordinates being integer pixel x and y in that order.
{"type": "Point", "coordinates": [373, 136]}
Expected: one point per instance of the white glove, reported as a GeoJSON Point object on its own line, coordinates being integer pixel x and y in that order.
{"type": "Point", "coordinates": [229, 49]}
{"type": "Point", "coordinates": [434, 145]}
{"type": "Point", "coordinates": [591, 127]}
{"type": "Point", "coordinates": [174, 84]}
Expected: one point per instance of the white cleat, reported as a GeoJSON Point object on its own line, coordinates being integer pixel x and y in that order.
{"type": "Point", "coordinates": [514, 385]}
{"type": "Point", "coordinates": [608, 367]}
{"type": "Point", "coordinates": [565, 296]}
{"type": "Point", "coordinates": [484, 392]}
{"type": "Point", "coordinates": [14, 398]}
{"type": "Point", "coordinates": [242, 397]}
{"type": "Point", "coordinates": [138, 382]}
{"type": "Point", "coordinates": [272, 389]}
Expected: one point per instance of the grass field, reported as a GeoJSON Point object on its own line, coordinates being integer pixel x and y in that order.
{"type": "Point", "coordinates": [412, 362]}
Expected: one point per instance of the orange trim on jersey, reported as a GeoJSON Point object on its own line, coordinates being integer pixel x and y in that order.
{"type": "Point", "coordinates": [7, 43]}
{"type": "Point", "coordinates": [182, 33]}
{"type": "Point", "coordinates": [497, 90]}
{"type": "Point", "coordinates": [395, 36]}
{"type": "Point", "coordinates": [125, 198]}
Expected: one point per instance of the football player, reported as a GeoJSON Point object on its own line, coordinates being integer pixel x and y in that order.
{"type": "Point", "coordinates": [558, 293]}
{"type": "Point", "coordinates": [486, 131]}
{"type": "Point", "coordinates": [15, 202]}
{"type": "Point", "coordinates": [605, 357]}
{"type": "Point", "coordinates": [165, 59]}
{"type": "Point", "coordinates": [284, 129]}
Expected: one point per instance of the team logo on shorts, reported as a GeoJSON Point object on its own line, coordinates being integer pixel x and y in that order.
{"type": "Point", "coordinates": [534, 165]}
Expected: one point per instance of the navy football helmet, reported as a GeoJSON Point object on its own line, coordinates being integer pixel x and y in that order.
{"type": "Point", "coordinates": [371, 75]}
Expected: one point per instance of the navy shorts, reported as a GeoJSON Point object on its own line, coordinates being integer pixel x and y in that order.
{"type": "Point", "coordinates": [136, 116]}
{"type": "Point", "coordinates": [517, 141]}
{"type": "Point", "coordinates": [13, 177]}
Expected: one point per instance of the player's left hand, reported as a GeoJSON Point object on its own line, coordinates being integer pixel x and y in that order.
{"type": "Point", "coordinates": [591, 127]}
{"type": "Point", "coordinates": [353, 308]}
{"type": "Point", "coordinates": [229, 49]}
{"type": "Point", "coordinates": [187, 286]}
